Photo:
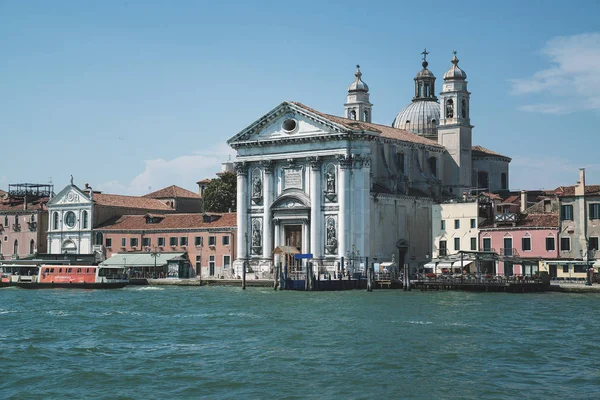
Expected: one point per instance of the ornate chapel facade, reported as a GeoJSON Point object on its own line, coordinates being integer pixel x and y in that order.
{"type": "Point", "coordinates": [346, 188]}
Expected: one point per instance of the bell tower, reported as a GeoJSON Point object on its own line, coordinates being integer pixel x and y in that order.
{"type": "Point", "coordinates": [455, 129]}
{"type": "Point", "coordinates": [357, 105]}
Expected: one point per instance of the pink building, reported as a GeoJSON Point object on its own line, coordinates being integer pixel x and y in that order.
{"type": "Point", "coordinates": [23, 220]}
{"type": "Point", "coordinates": [522, 243]}
{"type": "Point", "coordinates": [207, 239]}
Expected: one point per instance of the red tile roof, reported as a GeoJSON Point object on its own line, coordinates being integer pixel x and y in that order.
{"type": "Point", "coordinates": [492, 196]}
{"type": "Point", "coordinates": [116, 200]}
{"type": "Point", "coordinates": [39, 204]}
{"type": "Point", "coordinates": [173, 192]}
{"type": "Point", "coordinates": [383, 130]}
{"type": "Point", "coordinates": [570, 190]}
{"type": "Point", "coordinates": [171, 222]}
{"type": "Point", "coordinates": [540, 220]}
{"type": "Point", "coordinates": [480, 151]}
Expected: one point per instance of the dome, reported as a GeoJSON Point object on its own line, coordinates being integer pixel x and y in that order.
{"type": "Point", "coordinates": [358, 85]}
{"type": "Point", "coordinates": [420, 117]}
{"type": "Point", "coordinates": [425, 73]}
{"type": "Point", "coordinates": [455, 72]}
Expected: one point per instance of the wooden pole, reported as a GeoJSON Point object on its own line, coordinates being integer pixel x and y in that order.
{"type": "Point", "coordinates": [245, 264]}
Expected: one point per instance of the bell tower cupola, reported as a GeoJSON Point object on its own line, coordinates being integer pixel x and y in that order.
{"type": "Point", "coordinates": [455, 129]}
{"type": "Point", "coordinates": [357, 105]}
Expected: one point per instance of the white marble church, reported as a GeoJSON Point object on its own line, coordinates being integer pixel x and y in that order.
{"type": "Point", "coordinates": [345, 187]}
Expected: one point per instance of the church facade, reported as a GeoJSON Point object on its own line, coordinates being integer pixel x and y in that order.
{"type": "Point", "coordinates": [344, 188]}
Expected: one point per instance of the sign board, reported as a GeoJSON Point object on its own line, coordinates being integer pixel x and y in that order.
{"type": "Point", "coordinates": [301, 256]}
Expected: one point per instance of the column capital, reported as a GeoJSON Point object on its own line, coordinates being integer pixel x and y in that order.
{"type": "Point", "coordinates": [344, 161]}
{"type": "Point", "coordinates": [268, 166]}
{"type": "Point", "coordinates": [315, 163]}
{"type": "Point", "coordinates": [241, 168]}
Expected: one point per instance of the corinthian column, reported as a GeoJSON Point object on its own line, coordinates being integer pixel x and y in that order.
{"type": "Point", "coordinates": [267, 217]}
{"type": "Point", "coordinates": [316, 226]}
{"type": "Point", "coordinates": [344, 212]}
{"type": "Point", "coordinates": [242, 210]}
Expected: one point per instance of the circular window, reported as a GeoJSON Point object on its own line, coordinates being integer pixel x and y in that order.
{"type": "Point", "coordinates": [290, 125]}
{"type": "Point", "coordinates": [70, 219]}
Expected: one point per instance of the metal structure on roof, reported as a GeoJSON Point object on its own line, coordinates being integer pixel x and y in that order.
{"type": "Point", "coordinates": [30, 191]}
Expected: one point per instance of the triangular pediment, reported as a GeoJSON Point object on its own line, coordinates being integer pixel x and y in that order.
{"type": "Point", "coordinates": [288, 121]}
{"type": "Point", "coordinates": [69, 195]}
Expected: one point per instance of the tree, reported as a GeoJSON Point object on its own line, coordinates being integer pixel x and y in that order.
{"type": "Point", "coordinates": [220, 193]}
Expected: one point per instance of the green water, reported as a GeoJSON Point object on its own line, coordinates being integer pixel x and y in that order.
{"type": "Point", "coordinates": [219, 342]}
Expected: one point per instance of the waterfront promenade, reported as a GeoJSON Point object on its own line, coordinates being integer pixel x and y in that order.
{"type": "Point", "coordinates": [555, 286]}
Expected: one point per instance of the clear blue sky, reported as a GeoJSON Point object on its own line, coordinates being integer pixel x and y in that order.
{"type": "Point", "coordinates": [127, 95]}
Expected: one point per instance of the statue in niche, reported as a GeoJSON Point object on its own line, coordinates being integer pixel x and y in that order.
{"type": "Point", "coordinates": [330, 181]}
{"type": "Point", "coordinates": [256, 187]}
{"type": "Point", "coordinates": [449, 109]}
{"type": "Point", "coordinates": [256, 237]}
{"type": "Point", "coordinates": [331, 236]}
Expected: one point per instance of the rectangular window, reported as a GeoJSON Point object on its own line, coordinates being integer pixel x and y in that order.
{"type": "Point", "coordinates": [183, 241]}
{"type": "Point", "coordinates": [443, 248]}
{"type": "Point", "coordinates": [226, 240]}
{"type": "Point", "coordinates": [566, 212]}
{"type": "Point", "coordinates": [123, 242]}
{"type": "Point", "coordinates": [565, 244]}
{"type": "Point", "coordinates": [508, 249]}
{"type": "Point", "coordinates": [473, 223]}
{"type": "Point", "coordinates": [147, 242]}
{"type": "Point", "coordinates": [198, 241]}
{"type": "Point", "coordinates": [226, 261]}
{"type": "Point", "coordinates": [457, 224]}
{"type": "Point", "coordinates": [566, 268]}
{"type": "Point", "coordinates": [456, 244]}
{"type": "Point", "coordinates": [173, 241]}
{"type": "Point", "coordinates": [473, 243]}
{"type": "Point", "coordinates": [593, 243]}
{"type": "Point", "coordinates": [161, 241]}
{"type": "Point", "coordinates": [211, 265]}
{"type": "Point", "coordinates": [212, 240]}
{"type": "Point", "coordinates": [443, 225]}
{"type": "Point", "coordinates": [487, 244]}
{"type": "Point", "coordinates": [579, 268]}
{"type": "Point", "coordinates": [526, 244]}
{"type": "Point", "coordinates": [108, 242]}
{"type": "Point", "coordinates": [595, 211]}
{"type": "Point", "coordinates": [550, 244]}
{"type": "Point", "coordinates": [133, 242]}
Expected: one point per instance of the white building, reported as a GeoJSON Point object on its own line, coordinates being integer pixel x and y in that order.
{"type": "Point", "coordinates": [343, 186]}
{"type": "Point", "coordinates": [74, 213]}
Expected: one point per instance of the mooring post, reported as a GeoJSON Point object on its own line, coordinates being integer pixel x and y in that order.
{"type": "Point", "coordinates": [244, 275]}
{"type": "Point", "coordinates": [275, 276]}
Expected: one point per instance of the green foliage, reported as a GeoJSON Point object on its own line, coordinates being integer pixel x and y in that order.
{"type": "Point", "coordinates": [220, 193]}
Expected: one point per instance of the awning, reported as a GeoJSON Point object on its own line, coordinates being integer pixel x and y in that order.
{"type": "Point", "coordinates": [140, 259]}
{"type": "Point", "coordinates": [444, 264]}
{"type": "Point", "coordinates": [286, 250]}
{"type": "Point", "coordinates": [387, 264]}
{"type": "Point", "coordinates": [465, 263]}
{"type": "Point", "coordinates": [429, 265]}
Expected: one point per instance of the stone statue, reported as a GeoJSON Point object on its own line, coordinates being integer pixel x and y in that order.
{"type": "Point", "coordinates": [331, 237]}
{"type": "Point", "coordinates": [256, 187]}
{"type": "Point", "coordinates": [330, 182]}
{"type": "Point", "coordinates": [449, 109]}
{"type": "Point", "coordinates": [256, 236]}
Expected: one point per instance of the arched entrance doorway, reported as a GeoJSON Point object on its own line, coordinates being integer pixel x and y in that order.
{"type": "Point", "coordinates": [291, 217]}
{"type": "Point", "coordinates": [69, 247]}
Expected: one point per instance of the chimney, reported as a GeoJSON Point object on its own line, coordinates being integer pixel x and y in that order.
{"type": "Point", "coordinates": [580, 188]}
{"type": "Point", "coordinates": [523, 200]}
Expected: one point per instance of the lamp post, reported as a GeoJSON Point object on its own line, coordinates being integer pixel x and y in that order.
{"type": "Point", "coordinates": [155, 254]}
{"type": "Point", "coordinates": [589, 270]}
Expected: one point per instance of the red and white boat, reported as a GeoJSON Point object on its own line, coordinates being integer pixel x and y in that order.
{"type": "Point", "coordinates": [74, 277]}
